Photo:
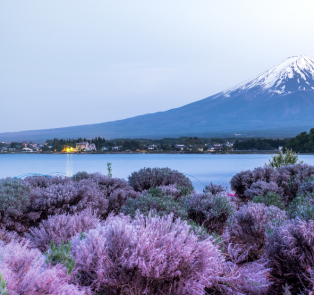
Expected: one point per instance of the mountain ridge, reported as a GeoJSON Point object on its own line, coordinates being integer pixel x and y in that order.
{"type": "Point", "coordinates": [279, 101]}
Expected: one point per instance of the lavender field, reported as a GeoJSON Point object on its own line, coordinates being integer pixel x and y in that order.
{"type": "Point", "coordinates": [154, 233]}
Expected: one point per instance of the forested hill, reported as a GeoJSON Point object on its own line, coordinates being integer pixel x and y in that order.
{"type": "Point", "coordinates": [259, 144]}
{"type": "Point", "coordinates": [302, 143]}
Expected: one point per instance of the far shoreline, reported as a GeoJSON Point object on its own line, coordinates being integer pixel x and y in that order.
{"type": "Point", "coordinates": [151, 153]}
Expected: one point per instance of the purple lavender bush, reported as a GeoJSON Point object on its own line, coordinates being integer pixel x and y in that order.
{"type": "Point", "coordinates": [290, 252]}
{"type": "Point", "coordinates": [245, 234]}
{"type": "Point", "coordinates": [14, 199]}
{"type": "Point", "coordinates": [46, 181]}
{"type": "Point", "coordinates": [115, 190]}
{"type": "Point", "coordinates": [97, 192]}
{"type": "Point", "coordinates": [146, 178]}
{"type": "Point", "coordinates": [306, 187]}
{"type": "Point", "coordinates": [61, 228]}
{"type": "Point", "coordinates": [250, 278]}
{"type": "Point", "coordinates": [262, 188]}
{"type": "Point", "coordinates": [210, 211]}
{"type": "Point", "coordinates": [25, 272]}
{"type": "Point", "coordinates": [215, 189]}
{"type": "Point", "coordinates": [284, 181]}
{"type": "Point", "coordinates": [297, 174]}
{"type": "Point", "coordinates": [151, 255]}
{"type": "Point", "coordinates": [25, 203]}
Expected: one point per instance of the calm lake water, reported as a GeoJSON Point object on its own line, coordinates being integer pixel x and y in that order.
{"type": "Point", "coordinates": [202, 169]}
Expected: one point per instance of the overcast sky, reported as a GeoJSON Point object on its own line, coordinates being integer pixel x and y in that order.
{"type": "Point", "coordinates": [73, 62]}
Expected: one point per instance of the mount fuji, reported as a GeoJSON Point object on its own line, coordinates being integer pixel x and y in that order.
{"type": "Point", "coordinates": [276, 103]}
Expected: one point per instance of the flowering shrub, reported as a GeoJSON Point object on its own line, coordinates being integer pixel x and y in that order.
{"type": "Point", "coordinates": [13, 202]}
{"type": "Point", "coordinates": [262, 188]}
{"type": "Point", "coordinates": [61, 228]}
{"type": "Point", "coordinates": [209, 211]}
{"type": "Point", "coordinates": [302, 207]}
{"type": "Point", "coordinates": [284, 181]}
{"type": "Point", "coordinates": [307, 186]}
{"type": "Point", "coordinates": [250, 278]}
{"type": "Point", "coordinates": [26, 272]}
{"type": "Point", "coordinates": [46, 181]}
{"type": "Point", "coordinates": [245, 235]}
{"type": "Point", "coordinates": [97, 192]}
{"type": "Point", "coordinates": [290, 251]}
{"type": "Point", "coordinates": [241, 181]}
{"type": "Point", "coordinates": [115, 190]}
{"type": "Point", "coordinates": [8, 236]}
{"type": "Point", "coordinates": [296, 175]}
{"type": "Point", "coordinates": [146, 178]}
{"type": "Point", "coordinates": [148, 254]}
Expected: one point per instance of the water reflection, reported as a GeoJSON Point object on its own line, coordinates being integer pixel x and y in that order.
{"type": "Point", "coordinates": [69, 165]}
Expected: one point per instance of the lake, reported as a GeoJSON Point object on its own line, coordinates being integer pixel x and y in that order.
{"type": "Point", "coordinates": [201, 169]}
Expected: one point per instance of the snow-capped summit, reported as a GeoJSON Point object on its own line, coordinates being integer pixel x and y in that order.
{"type": "Point", "coordinates": [293, 74]}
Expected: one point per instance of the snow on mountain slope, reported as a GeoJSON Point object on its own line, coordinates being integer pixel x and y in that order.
{"type": "Point", "coordinates": [293, 74]}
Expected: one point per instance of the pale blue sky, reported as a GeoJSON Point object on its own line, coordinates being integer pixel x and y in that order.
{"type": "Point", "coordinates": [73, 62]}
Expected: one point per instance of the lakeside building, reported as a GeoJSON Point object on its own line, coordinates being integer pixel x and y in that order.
{"type": "Point", "coordinates": [180, 146]}
{"type": "Point", "coordinates": [26, 149]}
{"type": "Point", "coordinates": [85, 146]}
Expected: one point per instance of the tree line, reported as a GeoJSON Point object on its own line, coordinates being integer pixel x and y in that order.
{"type": "Point", "coordinates": [302, 143]}
{"type": "Point", "coordinates": [259, 144]}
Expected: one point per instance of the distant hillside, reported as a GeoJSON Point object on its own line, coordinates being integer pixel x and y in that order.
{"type": "Point", "coordinates": [277, 103]}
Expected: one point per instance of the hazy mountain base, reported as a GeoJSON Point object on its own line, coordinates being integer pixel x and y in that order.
{"type": "Point", "coordinates": [215, 116]}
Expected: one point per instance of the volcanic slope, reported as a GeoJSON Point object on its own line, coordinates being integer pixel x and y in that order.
{"type": "Point", "coordinates": [278, 102]}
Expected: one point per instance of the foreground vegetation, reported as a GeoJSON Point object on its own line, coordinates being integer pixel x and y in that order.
{"type": "Point", "coordinates": [153, 234]}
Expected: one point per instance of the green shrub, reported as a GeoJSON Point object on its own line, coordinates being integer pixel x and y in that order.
{"type": "Point", "coordinates": [80, 175]}
{"type": "Point", "coordinates": [210, 211]}
{"type": "Point", "coordinates": [198, 230]}
{"type": "Point", "coordinates": [269, 199]}
{"type": "Point", "coordinates": [302, 207]}
{"type": "Point", "coordinates": [3, 286]}
{"type": "Point", "coordinates": [61, 254]}
{"type": "Point", "coordinates": [289, 158]}
{"type": "Point", "coordinates": [13, 196]}
{"type": "Point", "coordinates": [184, 191]}
{"type": "Point", "coordinates": [155, 200]}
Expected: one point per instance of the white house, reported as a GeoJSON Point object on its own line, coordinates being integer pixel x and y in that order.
{"type": "Point", "coordinates": [85, 146]}
{"type": "Point", "coordinates": [27, 150]}
{"type": "Point", "coordinates": [92, 147]}
{"type": "Point", "coordinates": [180, 146]}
